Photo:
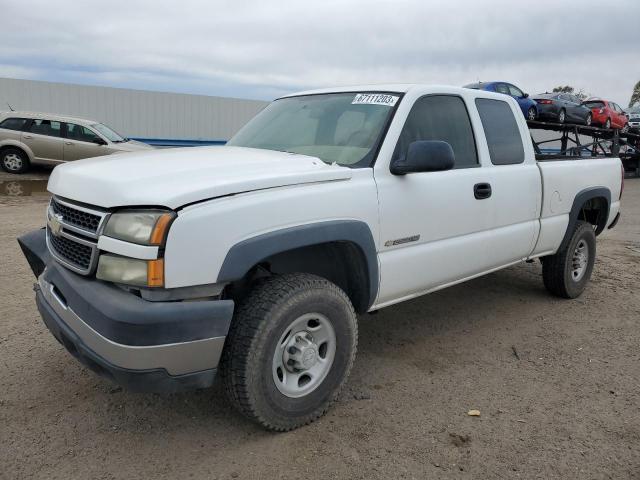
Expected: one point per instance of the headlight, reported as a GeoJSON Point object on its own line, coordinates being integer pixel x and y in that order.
{"type": "Point", "coordinates": [131, 271]}
{"type": "Point", "coordinates": [146, 227]}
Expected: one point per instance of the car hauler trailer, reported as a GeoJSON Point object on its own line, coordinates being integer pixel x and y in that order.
{"type": "Point", "coordinates": [586, 141]}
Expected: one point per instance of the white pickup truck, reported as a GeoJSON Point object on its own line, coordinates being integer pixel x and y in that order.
{"type": "Point", "coordinates": [157, 269]}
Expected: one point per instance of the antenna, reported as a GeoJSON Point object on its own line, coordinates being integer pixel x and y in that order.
{"type": "Point", "coordinates": [10, 107]}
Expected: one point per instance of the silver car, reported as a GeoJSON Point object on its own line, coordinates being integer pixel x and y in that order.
{"type": "Point", "coordinates": [27, 138]}
{"type": "Point", "coordinates": [633, 114]}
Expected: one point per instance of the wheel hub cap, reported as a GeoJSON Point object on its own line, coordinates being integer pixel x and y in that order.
{"type": "Point", "coordinates": [580, 260]}
{"type": "Point", "coordinates": [301, 353]}
{"type": "Point", "coordinates": [12, 161]}
{"type": "Point", "coordinates": [304, 355]}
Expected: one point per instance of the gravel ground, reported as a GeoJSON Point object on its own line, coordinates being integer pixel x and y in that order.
{"type": "Point", "coordinates": [557, 383]}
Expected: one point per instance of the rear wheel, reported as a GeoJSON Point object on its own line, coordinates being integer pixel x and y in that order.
{"type": "Point", "coordinates": [625, 128]}
{"type": "Point", "coordinates": [14, 160]}
{"type": "Point", "coordinates": [531, 113]}
{"type": "Point", "coordinates": [566, 273]}
{"type": "Point", "coordinates": [589, 120]}
{"type": "Point", "coordinates": [607, 124]}
{"type": "Point", "coordinates": [290, 350]}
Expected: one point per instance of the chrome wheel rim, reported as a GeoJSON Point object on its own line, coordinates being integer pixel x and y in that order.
{"type": "Point", "coordinates": [12, 161]}
{"type": "Point", "coordinates": [561, 116]}
{"type": "Point", "coordinates": [304, 355]}
{"type": "Point", "coordinates": [579, 261]}
{"type": "Point", "coordinates": [588, 120]}
{"type": "Point", "coordinates": [532, 114]}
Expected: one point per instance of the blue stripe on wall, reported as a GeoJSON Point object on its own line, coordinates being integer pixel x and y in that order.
{"type": "Point", "coordinates": [167, 142]}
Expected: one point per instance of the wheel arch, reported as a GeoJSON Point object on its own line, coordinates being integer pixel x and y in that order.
{"type": "Point", "coordinates": [343, 251]}
{"type": "Point", "coordinates": [18, 145]}
{"type": "Point", "coordinates": [592, 205]}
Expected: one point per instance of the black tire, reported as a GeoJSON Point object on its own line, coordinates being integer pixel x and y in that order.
{"type": "Point", "coordinates": [260, 322]}
{"type": "Point", "coordinates": [562, 116]}
{"type": "Point", "coordinates": [14, 160]}
{"type": "Point", "coordinates": [558, 271]}
{"type": "Point", "coordinates": [607, 124]}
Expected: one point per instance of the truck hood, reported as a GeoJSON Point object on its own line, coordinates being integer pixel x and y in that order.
{"type": "Point", "coordinates": [179, 176]}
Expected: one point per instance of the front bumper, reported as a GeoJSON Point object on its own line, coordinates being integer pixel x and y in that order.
{"type": "Point", "coordinates": [141, 345]}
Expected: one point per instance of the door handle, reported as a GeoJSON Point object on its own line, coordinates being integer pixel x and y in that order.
{"type": "Point", "coordinates": [68, 143]}
{"type": "Point", "coordinates": [28, 136]}
{"type": "Point", "coordinates": [482, 191]}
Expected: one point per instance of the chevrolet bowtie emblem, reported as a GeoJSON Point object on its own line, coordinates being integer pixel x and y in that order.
{"type": "Point", "coordinates": [55, 223]}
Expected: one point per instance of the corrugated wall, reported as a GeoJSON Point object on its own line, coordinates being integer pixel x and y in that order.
{"type": "Point", "coordinates": [134, 113]}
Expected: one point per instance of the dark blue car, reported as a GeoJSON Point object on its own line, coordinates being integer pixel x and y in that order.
{"type": "Point", "coordinates": [528, 106]}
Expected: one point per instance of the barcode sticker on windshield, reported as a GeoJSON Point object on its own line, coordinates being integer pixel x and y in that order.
{"type": "Point", "coordinates": [375, 99]}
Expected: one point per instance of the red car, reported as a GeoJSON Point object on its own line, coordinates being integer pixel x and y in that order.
{"type": "Point", "coordinates": [607, 114]}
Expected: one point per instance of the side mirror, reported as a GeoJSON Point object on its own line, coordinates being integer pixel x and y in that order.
{"type": "Point", "coordinates": [99, 141]}
{"type": "Point", "coordinates": [525, 95]}
{"type": "Point", "coordinates": [425, 156]}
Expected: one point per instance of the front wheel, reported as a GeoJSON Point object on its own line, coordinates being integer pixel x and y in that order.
{"type": "Point", "coordinates": [290, 350]}
{"type": "Point", "coordinates": [589, 120]}
{"type": "Point", "coordinates": [567, 272]}
{"type": "Point", "coordinates": [607, 124]}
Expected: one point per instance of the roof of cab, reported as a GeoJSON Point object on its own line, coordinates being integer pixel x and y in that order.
{"type": "Point", "coordinates": [386, 87]}
{"type": "Point", "coordinates": [48, 116]}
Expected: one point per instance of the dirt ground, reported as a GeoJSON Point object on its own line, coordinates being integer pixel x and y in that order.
{"type": "Point", "coordinates": [557, 383]}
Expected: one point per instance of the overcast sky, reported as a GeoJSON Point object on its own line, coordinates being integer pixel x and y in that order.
{"type": "Point", "coordinates": [261, 49]}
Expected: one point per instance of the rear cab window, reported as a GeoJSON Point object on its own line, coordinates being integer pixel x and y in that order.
{"type": "Point", "coordinates": [14, 123]}
{"type": "Point", "coordinates": [501, 131]}
{"type": "Point", "coordinates": [440, 117]}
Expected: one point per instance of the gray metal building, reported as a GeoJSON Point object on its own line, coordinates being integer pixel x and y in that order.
{"type": "Point", "coordinates": [157, 117]}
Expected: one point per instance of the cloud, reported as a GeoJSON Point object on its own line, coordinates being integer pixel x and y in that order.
{"type": "Point", "coordinates": [264, 49]}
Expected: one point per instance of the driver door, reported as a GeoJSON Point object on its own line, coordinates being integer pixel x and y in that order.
{"type": "Point", "coordinates": [434, 228]}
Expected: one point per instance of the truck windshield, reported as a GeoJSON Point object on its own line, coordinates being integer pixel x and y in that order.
{"type": "Point", "coordinates": [342, 128]}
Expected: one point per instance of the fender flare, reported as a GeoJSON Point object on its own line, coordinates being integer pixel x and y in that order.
{"type": "Point", "coordinates": [247, 253]}
{"type": "Point", "coordinates": [579, 200]}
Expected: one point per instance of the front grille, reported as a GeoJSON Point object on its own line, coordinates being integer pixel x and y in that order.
{"type": "Point", "coordinates": [71, 251]}
{"type": "Point", "coordinates": [78, 218]}
{"type": "Point", "coordinates": [72, 234]}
